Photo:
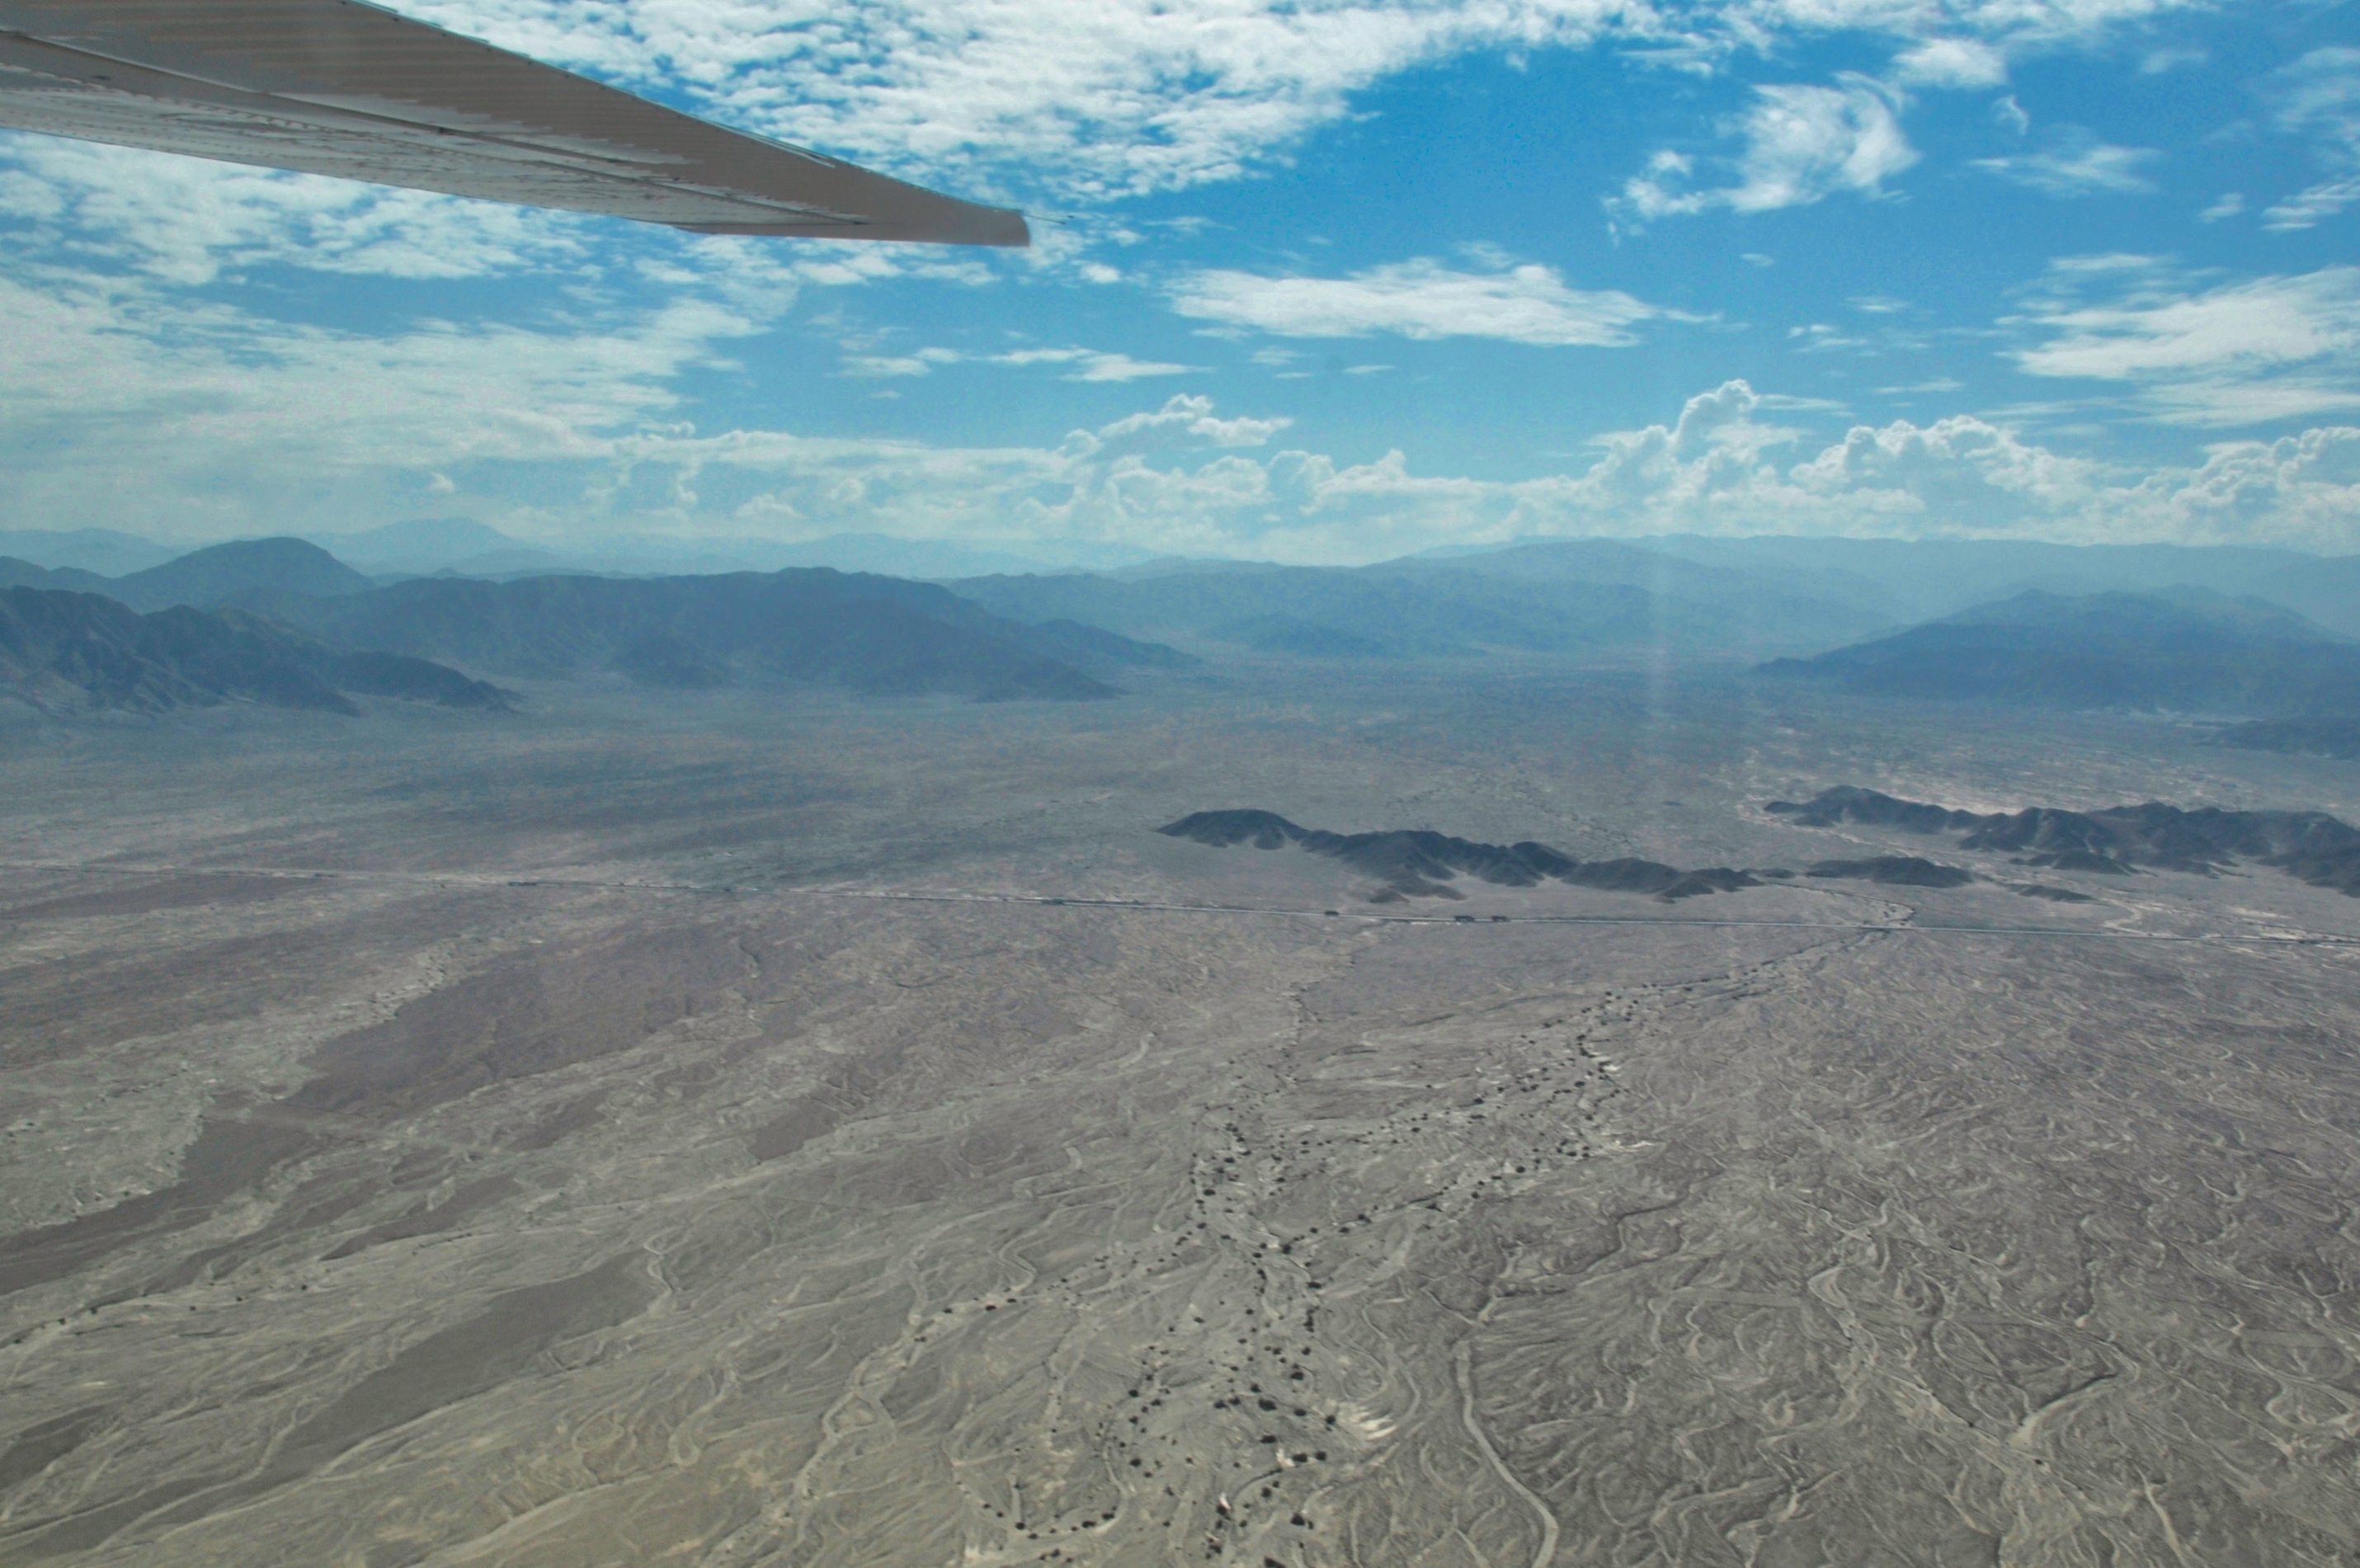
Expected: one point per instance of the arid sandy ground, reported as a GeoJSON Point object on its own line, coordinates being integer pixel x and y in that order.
{"type": "Point", "coordinates": [637, 1132]}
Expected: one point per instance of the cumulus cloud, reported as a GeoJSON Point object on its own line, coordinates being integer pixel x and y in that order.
{"type": "Point", "coordinates": [1802, 145]}
{"type": "Point", "coordinates": [243, 426]}
{"type": "Point", "coordinates": [1422, 298]}
{"type": "Point", "coordinates": [1184, 424]}
{"type": "Point", "coordinates": [2233, 354]}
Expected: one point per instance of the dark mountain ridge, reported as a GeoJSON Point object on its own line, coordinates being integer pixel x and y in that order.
{"type": "Point", "coordinates": [1419, 863]}
{"type": "Point", "coordinates": [64, 651]}
{"type": "Point", "coordinates": [2311, 847]}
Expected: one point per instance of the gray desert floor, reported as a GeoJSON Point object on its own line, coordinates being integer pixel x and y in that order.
{"type": "Point", "coordinates": [761, 1131]}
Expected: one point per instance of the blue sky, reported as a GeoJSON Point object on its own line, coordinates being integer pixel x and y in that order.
{"type": "Point", "coordinates": [1329, 282]}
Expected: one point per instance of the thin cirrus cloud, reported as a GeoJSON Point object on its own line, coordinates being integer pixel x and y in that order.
{"type": "Point", "coordinates": [1421, 298]}
{"type": "Point", "coordinates": [2235, 353]}
{"type": "Point", "coordinates": [2080, 165]}
{"type": "Point", "coordinates": [2318, 98]}
{"type": "Point", "coordinates": [1951, 62]}
{"type": "Point", "coordinates": [1081, 363]}
{"type": "Point", "coordinates": [1803, 144]}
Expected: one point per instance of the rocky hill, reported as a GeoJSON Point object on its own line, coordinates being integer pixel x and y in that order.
{"type": "Point", "coordinates": [2311, 847]}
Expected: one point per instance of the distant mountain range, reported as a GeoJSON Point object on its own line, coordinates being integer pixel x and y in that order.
{"type": "Point", "coordinates": [424, 546]}
{"type": "Point", "coordinates": [869, 633]}
{"type": "Point", "coordinates": [98, 550]}
{"type": "Point", "coordinates": [1892, 582]}
{"type": "Point", "coordinates": [1923, 580]}
{"type": "Point", "coordinates": [1585, 599]}
{"type": "Point", "coordinates": [282, 621]}
{"type": "Point", "coordinates": [880, 636]}
{"type": "Point", "coordinates": [62, 651]}
{"type": "Point", "coordinates": [2190, 650]}
{"type": "Point", "coordinates": [205, 578]}
{"type": "Point", "coordinates": [2295, 737]}
{"type": "Point", "coordinates": [1072, 634]}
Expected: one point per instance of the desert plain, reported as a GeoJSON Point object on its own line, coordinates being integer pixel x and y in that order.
{"type": "Point", "coordinates": [757, 1127]}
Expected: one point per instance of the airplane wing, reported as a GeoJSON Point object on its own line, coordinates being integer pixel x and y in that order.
{"type": "Point", "coordinates": [341, 88]}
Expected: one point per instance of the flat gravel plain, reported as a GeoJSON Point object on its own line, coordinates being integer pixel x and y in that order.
{"type": "Point", "coordinates": [632, 1132]}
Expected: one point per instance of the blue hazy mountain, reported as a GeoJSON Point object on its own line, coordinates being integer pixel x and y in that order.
{"type": "Point", "coordinates": [2189, 650]}
{"type": "Point", "coordinates": [878, 635]}
{"type": "Point", "coordinates": [219, 573]}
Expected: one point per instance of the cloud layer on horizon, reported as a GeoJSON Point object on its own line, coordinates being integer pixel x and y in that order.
{"type": "Point", "coordinates": [557, 433]}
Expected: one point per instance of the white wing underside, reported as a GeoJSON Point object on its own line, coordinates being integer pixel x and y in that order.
{"type": "Point", "coordinates": [339, 87]}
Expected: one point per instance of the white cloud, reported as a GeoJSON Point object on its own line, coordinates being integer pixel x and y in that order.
{"type": "Point", "coordinates": [2267, 349]}
{"type": "Point", "coordinates": [1129, 97]}
{"type": "Point", "coordinates": [245, 426]}
{"type": "Point", "coordinates": [187, 221]}
{"type": "Point", "coordinates": [1123, 367]}
{"type": "Point", "coordinates": [2311, 206]}
{"type": "Point", "coordinates": [1184, 424]}
{"type": "Point", "coordinates": [2228, 206]}
{"type": "Point", "coordinates": [2320, 93]}
{"type": "Point", "coordinates": [2080, 165]}
{"type": "Point", "coordinates": [1802, 144]}
{"type": "Point", "coordinates": [2318, 97]}
{"type": "Point", "coordinates": [1951, 62]}
{"type": "Point", "coordinates": [1422, 298]}
{"type": "Point", "coordinates": [233, 421]}
{"type": "Point", "coordinates": [1082, 363]}
{"type": "Point", "coordinates": [874, 366]}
